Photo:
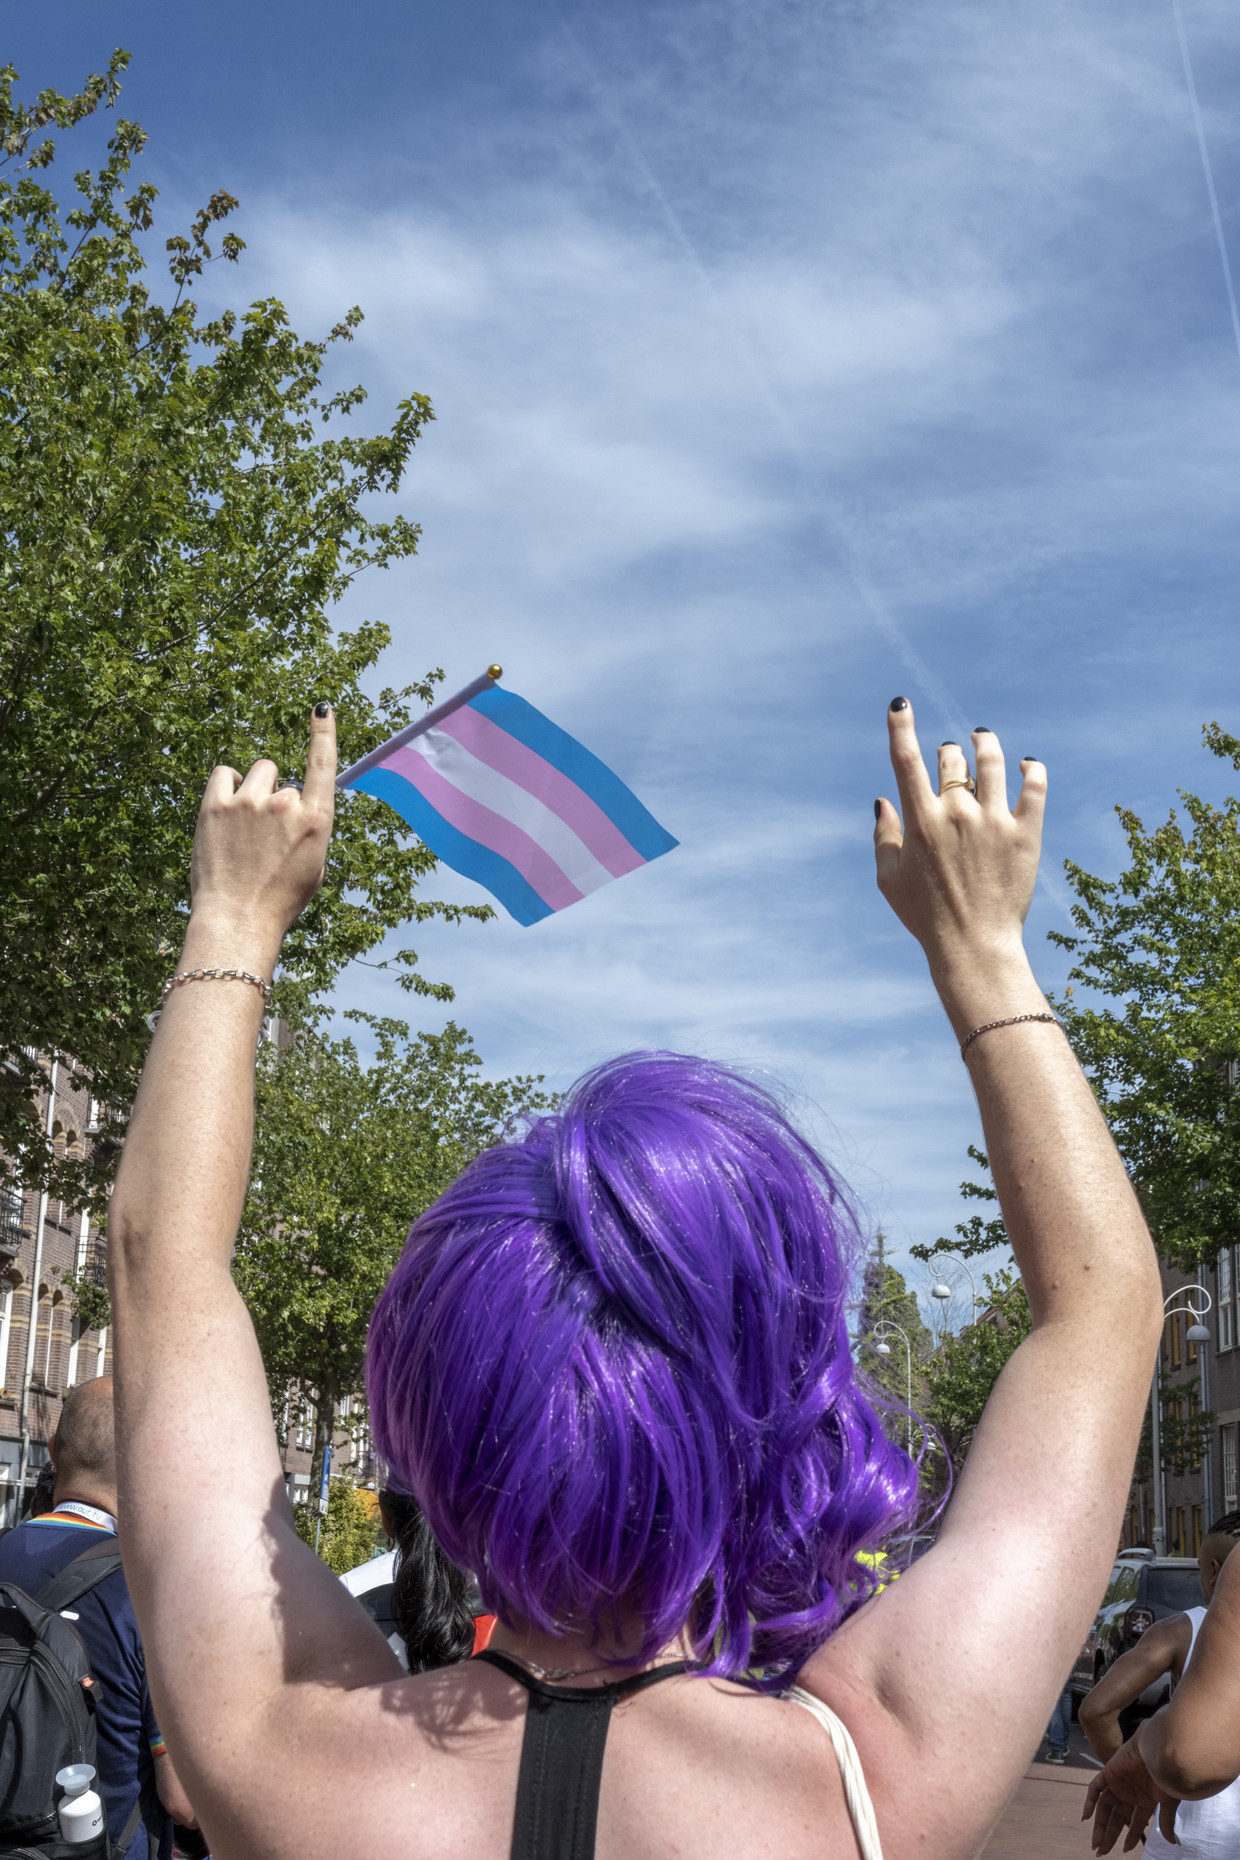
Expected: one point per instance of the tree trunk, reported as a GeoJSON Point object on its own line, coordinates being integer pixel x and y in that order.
{"type": "Point", "coordinates": [324, 1428]}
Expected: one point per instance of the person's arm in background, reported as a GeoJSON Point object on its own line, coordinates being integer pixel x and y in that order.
{"type": "Point", "coordinates": [1191, 1748]}
{"type": "Point", "coordinates": [171, 1794]}
{"type": "Point", "coordinates": [1163, 1648]}
{"type": "Point", "coordinates": [924, 1678]}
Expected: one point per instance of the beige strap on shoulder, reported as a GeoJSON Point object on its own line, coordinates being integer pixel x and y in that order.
{"type": "Point", "coordinates": [856, 1794]}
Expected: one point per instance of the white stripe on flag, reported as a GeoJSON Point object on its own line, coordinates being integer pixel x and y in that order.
{"type": "Point", "coordinates": [513, 803]}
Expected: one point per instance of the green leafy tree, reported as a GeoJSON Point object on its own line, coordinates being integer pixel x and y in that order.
{"type": "Point", "coordinates": [346, 1155]}
{"type": "Point", "coordinates": [347, 1533]}
{"type": "Point", "coordinates": [961, 1373]}
{"type": "Point", "coordinates": [1161, 946]}
{"type": "Point", "coordinates": [886, 1302]}
{"type": "Point", "coordinates": [181, 506]}
{"type": "Point", "coordinates": [1187, 1427]}
{"type": "Point", "coordinates": [975, 1234]}
{"type": "Point", "coordinates": [88, 1295]}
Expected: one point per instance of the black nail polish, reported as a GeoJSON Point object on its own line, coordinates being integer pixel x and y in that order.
{"type": "Point", "coordinates": [898, 704]}
{"type": "Point", "coordinates": [1031, 758]}
{"type": "Point", "coordinates": [878, 809]}
{"type": "Point", "coordinates": [323, 710]}
{"type": "Point", "coordinates": [949, 745]}
{"type": "Point", "coordinates": [979, 729]}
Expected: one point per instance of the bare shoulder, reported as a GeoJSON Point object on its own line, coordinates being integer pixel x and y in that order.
{"type": "Point", "coordinates": [699, 1767]}
{"type": "Point", "coordinates": [422, 1768]}
{"type": "Point", "coordinates": [938, 1748]}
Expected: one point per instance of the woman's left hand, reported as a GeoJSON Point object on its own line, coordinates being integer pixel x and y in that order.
{"type": "Point", "coordinates": [259, 850]}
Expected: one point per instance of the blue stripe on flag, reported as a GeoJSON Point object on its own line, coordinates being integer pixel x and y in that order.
{"type": "Point", "coordinates": [448, 843]}
{"type": "Point", "coordinates": [565, 753]}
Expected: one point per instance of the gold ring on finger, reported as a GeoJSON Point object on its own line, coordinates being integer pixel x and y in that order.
{"type": "Point", "coordinates": [961, 781]}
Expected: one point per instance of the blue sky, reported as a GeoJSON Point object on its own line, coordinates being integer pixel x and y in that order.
{"type": "Point", "coordinates": [786, 355]}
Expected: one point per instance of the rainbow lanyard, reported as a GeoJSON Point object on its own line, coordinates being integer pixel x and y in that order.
{"type": "Point", "coordinates": [79, 1517]}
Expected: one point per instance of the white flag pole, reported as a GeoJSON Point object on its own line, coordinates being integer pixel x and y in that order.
{"type": "Point", "coordinates": [482, 683]}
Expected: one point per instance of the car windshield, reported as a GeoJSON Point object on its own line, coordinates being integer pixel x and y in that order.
{"type": "Point", "coordinates": [1124, 1583]}
{"type": "Point", "coordinates": [1174, 1588]}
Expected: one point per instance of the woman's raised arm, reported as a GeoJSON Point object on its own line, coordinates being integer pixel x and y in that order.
{"type": "Point", "coordinates": [949, 1678]}
{"type": "Point", "coordinates": [207, 1533]}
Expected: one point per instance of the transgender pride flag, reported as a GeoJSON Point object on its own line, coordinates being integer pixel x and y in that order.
{"type": "Point", "coordinates": [504, 796]}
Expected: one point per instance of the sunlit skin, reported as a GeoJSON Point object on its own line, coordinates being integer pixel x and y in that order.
{"type": "Point", "coordinates": [297, 1734]}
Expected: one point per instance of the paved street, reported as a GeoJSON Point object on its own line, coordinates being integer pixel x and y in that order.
{"type": "Point", "coordinates": [1043, 1819]}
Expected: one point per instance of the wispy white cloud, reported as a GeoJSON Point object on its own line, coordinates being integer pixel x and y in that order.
{"type": "Point", "coordinates": [785, 355]}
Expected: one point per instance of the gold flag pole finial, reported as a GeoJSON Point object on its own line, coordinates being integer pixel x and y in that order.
{"type": "Point", "coordinates": [495, 671]}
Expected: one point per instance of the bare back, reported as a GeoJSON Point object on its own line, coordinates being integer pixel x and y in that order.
{"type": "Point", "coordinates": [290, 1725]}
{"type": "Point", "coordinates": [694, 1768]}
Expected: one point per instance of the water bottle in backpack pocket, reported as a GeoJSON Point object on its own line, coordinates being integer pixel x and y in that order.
{"type": "Point", "coordinates": [47, 1718]}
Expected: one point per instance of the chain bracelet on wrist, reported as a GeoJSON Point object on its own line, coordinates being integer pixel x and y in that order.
{"type": "Point", "coordinates": [1013, 1020]}
{"type": "Point", "coordinates": [211, 975]}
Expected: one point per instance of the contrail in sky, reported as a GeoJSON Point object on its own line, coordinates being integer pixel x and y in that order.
{"type": "Point", "coordinates": [880, 614]}
{"type": "Point", "coordinates": [1206, 169]}
{"type": "Point", "coordinates": [877, 609]}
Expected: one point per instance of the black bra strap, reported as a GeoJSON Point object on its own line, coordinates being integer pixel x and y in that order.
{"type": "Point", "coordinates": [562, 1759]}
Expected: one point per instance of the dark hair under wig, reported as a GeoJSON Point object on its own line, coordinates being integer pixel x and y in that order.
{"type": "Point", "coordinates": [613, 1364]}
{"type": "Point", "coordinates": [430, 1595]}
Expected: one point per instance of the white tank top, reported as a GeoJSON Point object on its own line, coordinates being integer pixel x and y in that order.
{"type": "Point", "coordinates": [1208, 1830]}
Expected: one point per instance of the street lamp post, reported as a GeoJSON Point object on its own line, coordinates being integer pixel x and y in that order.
{"type": "Point", "coordinates": [883, 1348]}
{"type": "Point", "coordinates": [1197, 1333]}
{"type": "Point", "coordinates": [944, 1292]}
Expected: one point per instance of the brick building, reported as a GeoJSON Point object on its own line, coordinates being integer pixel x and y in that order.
{"type": "Point", "coordinates": [42, 1245]}
{"type": "Point", "coordinates": [352, 1452]}
{"type": "Point", "coordinates": [1199, 1379]}
{"type": "Point", "coordinates": [40, 1240]}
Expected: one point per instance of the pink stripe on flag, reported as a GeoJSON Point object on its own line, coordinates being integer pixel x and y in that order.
{"type": "Point", "coordinates": [490, 829]}
{"type": "Point", "coordinates": [484, 738]}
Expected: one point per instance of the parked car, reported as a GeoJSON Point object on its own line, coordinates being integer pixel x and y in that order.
{"type": "Point", "coordinates": [1144, 1588]}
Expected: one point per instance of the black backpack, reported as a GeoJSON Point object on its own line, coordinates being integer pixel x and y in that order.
{"type": "Point", "coordinates": [47, 1712]}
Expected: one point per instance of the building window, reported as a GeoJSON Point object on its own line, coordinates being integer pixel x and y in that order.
{"type": "Point", "coordinates": [11, 1204]}
{"type": "Point", "coordinates": [83, 1245]}
{"type": "Point", "coordinates": [55, 1338]}
{"type": "Point", "coordinates": [1226, 1309]}
{"type": "Point", "coordinates": [1171, 1339]}
{"type": "Point", "coordinates": [101, 1351]}
{"type": "Point", "coordinates": [42, 1329]}
{"type": "Point", "coordinates": [1231, 1487]}
{"type": "Point", "coordinates": [1186, 1407]}
{"type": "Point", "coordinates": [6, 1328]}
{"type": "Point", "coordinates": [75, 1344]}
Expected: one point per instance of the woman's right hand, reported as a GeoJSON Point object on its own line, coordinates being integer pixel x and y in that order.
{"type": "Point", "coordinates": [960, 872]}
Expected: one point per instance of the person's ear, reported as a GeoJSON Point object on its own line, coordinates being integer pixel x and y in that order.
{"type": "Point", "coordinates": [51, 1449]}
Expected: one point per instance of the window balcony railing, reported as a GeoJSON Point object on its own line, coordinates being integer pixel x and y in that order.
{"type": "Point", "coordinates": [10, 1226]}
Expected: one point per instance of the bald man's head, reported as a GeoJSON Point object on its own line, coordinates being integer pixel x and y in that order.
{"type": "Point", "coordinates": [84, 1444]}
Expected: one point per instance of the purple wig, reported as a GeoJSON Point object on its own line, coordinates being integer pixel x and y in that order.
{"type": "Point", "coordinates": [613, 1366]}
